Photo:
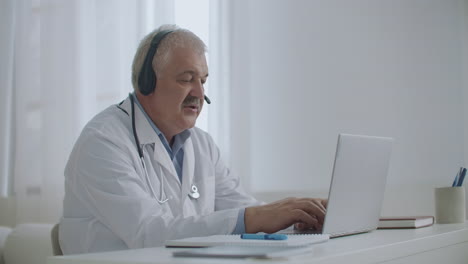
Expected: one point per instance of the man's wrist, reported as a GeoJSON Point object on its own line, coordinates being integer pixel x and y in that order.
{"type": "Point", "coordinates": [249, 220]}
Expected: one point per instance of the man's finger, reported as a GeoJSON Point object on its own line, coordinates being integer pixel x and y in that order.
{"type": "Point", "coordinates": [325, 203]}
{"type": "Point", "coordinates": [317, 202]}
{"type": "Point", "coordinates": [311, 204]}
{"type": "Point", "coordinates": [304, 217]}
{"type": "Point", "coordinates": [312, 209]}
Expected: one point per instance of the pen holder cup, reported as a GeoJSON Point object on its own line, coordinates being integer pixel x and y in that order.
{"type": "Point", "coordinates": [450, 205]}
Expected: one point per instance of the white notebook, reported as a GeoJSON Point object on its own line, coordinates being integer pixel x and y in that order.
{"type": "Point", "coordinates": [235, 240]}
{"type": "Point", "coordinates": [242, 252]}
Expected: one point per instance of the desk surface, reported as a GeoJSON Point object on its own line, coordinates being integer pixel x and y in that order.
{"type": "Point", "coordinates": [430, 244]}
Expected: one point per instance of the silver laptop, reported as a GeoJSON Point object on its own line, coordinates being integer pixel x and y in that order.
{"type": "Point", "coordinates": [358, 184]}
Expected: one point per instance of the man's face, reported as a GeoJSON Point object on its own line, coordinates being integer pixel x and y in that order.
{"type": "Point", "coordinates": [178, 97]}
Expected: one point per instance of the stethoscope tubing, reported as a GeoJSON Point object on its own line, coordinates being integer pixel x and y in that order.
{"type": "Point", "coordinates": [162, 194]}
{"type": "Point", "coordinates": [162, 197]}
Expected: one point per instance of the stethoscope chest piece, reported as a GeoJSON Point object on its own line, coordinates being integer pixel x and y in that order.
{"type": "Point", "coordinates": [194, 194]}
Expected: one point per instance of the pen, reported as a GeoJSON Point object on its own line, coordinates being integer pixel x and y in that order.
{"type": "Point", "coordinates": [462, 177]}
{"type": "Point", "coordinates": [455, 182]}
{"type": "Point", "coordinates": [264, 236]}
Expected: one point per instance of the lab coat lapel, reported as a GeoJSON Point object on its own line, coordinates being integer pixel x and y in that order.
{"type": "Point", "coordinates": [162, 157]}
{"type": "Point", "coordinates": [188, 169]}
{"type": "Point", "coordinates": [146, 135]}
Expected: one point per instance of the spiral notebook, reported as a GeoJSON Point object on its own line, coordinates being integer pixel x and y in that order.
{"type": "Point", "coordinates": [294, 240]}
{"type": "Point", "coordinates": [261, 252]}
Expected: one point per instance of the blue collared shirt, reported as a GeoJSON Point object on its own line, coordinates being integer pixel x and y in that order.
{"type": "Point", "coordinates": [177, 156]}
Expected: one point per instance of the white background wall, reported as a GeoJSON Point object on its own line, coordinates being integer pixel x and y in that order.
{"type": "Point", "coordinates": [304, 71]}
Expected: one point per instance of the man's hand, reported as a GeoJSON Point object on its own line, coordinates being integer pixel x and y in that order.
{"type": "Point", "coordinates": [304, 213]}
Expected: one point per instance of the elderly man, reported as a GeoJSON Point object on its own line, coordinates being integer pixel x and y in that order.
{"type": "Point", "coordinates": [141, 172]}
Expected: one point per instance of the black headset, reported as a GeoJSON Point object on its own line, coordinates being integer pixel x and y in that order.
{"type": "Point", "coordinates": [147, 77]}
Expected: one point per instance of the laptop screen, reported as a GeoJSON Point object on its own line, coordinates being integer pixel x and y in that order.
{"type": "Point", "coordinates": [358, 184]}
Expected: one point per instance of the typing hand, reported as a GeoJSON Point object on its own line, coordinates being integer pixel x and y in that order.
{"type": "Point", "coordinates": [305, 227]}
{"type": "Point", "coordinates": [270, 218]}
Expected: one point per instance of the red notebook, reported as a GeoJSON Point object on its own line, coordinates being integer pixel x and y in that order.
{"type": "Point", "coordinates": [405, 222]}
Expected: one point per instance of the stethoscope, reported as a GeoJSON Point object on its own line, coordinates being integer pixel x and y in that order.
{"type": "Point", "coordinates": [194, 194]}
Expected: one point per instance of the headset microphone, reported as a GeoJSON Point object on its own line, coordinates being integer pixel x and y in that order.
{"type": "Point", "coordinates": [208, 101]}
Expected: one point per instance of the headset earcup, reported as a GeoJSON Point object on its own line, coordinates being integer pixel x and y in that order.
{"type": "Point", "coordinates": [147, 76]}
{"type": "Point", "coordinates": [147, 80]}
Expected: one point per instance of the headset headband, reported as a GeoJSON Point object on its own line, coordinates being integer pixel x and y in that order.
{"type": "Point", "coordinates": [147, 77]}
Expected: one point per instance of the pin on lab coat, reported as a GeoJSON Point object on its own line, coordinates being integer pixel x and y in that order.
{"type": "Point", "coordinates": [108, 204]}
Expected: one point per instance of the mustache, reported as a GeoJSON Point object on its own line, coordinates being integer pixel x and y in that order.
{"type": "Point", "coordinates": [191, 100]}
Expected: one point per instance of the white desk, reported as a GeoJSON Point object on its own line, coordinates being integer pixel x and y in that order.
{"type": "Point", "coordinates": [446, 244]}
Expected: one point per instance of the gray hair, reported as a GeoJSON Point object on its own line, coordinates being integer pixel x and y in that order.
{"type": "Point", "coordinates": [178, 38]}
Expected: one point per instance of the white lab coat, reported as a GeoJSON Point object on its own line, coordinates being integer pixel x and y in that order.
{"type": "Point", "coordinates": [108, 204]}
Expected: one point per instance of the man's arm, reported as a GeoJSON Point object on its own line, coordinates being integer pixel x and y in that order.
{"type": "Point", "coordinates": [305, 213]}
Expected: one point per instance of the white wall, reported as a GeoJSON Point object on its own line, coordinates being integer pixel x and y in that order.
{"type": "Point", "coordinates": [304, 71]}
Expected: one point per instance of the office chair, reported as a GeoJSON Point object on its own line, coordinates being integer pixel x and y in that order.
{"type": "Point", "coordinates": [54, 235]}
